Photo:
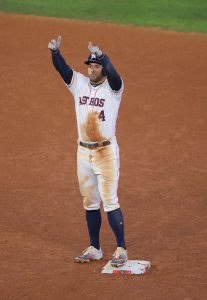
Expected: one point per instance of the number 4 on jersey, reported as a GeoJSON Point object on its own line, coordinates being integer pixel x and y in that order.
{"type": "Point", "coordinates": [102, 116]}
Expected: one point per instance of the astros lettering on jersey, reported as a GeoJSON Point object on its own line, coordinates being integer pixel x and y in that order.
{"type": "Point", "coordinates": [96, 108]}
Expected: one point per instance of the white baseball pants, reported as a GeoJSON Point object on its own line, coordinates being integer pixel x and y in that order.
{"type": "Point", "coordinates": [98, 176]}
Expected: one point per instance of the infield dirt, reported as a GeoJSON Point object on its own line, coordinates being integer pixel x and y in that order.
{"type": "Point", "coordinates": [161, 131]}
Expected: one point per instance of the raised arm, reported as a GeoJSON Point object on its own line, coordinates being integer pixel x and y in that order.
{"type": "Point", "coordinates": [59, 62]}
{"type": "Point", "coordinates": [113, 77]}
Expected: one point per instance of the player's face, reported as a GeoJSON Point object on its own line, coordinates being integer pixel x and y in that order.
{"type": "Point", "coordinates": [95, 73]}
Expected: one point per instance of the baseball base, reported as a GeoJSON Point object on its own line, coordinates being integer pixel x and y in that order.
{"type": "Point", "coordinates": [131, 267]}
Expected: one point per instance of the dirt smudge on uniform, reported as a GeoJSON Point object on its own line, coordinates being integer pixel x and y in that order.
{"type": "Point", "coordinates": [88, 196]}
{"type": "Point", "coordinates": [87, 202]}
{"type": "Point", "coordinates": [91, 128]}
{"type": "Point", "coordinates": [82, 179]}
{"type": "Point", "coordinates": [108, 178]}
{"type": "Point", "coordinates": [107, 164]}
{"type": "Point", "coordinates": [86, 190]}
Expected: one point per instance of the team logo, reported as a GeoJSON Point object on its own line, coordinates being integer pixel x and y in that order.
{"type": "Point", "coordinates": [91, 101]}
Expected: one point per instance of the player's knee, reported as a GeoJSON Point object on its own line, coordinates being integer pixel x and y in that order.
{"type": "Point", "coordinates": [110, 206]}
{"type": "Point", "coordinates": [89, 204]}
{"type": "Point", "coordinates": [110, 201]}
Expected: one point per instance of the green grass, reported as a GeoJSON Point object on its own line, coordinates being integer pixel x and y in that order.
{"type": "Point", "coordinates": [180, 15]}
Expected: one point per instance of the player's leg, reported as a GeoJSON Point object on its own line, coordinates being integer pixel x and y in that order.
{"type": "Point", "coordinates": [116, 221]}
{"type": "Point", "coordinates": [88, 185]}
{"type": "Point", "coordinates": [107, 170]}
{"type": "Point", "coordinates": [93, 219]}
{"type": "Point", "coordinates": [87, 180]}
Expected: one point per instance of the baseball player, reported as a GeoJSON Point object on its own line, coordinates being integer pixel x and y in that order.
{"type": "Point", "coordinates": [97, 99]}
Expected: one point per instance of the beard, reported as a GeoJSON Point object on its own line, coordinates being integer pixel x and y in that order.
{"type": "Point", "coordinates": [96, 78]}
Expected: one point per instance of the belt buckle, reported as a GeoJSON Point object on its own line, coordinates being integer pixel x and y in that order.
{"type": "Point", "coordinates": [93, 146]}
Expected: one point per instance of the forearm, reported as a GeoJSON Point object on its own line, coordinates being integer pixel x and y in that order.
{"type": "Point", "coordinates": [61, 66]}
{"type": "Point", "coordinates": [113, 77]}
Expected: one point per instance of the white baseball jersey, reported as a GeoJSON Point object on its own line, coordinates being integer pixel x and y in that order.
{"type": "Point", "coordinates": [96, 108]}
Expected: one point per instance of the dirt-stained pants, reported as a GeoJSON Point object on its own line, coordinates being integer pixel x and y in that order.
{"type": "Point", "coordinates": [98, 175]}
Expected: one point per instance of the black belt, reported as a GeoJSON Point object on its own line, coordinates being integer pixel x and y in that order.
{"type": "Point", "coordinates": [95, 145]}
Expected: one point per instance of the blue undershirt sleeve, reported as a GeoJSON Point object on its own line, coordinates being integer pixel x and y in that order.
{"type": "Point", "coordinates": [113, 77]}
{"type": "Point", "coordinates": [61, 66]}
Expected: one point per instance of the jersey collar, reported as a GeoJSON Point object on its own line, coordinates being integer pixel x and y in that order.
{"type": "Point", "coordinates": [94, 85]}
